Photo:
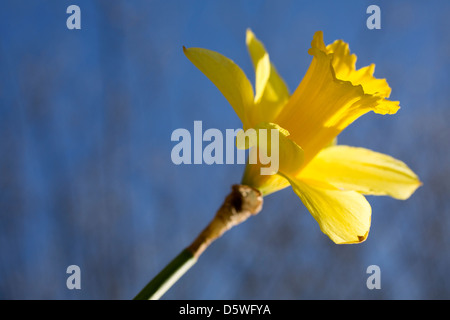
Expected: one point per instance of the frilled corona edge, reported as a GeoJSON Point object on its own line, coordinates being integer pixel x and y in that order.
{"type": "Point", "coordinates": [238, 206]}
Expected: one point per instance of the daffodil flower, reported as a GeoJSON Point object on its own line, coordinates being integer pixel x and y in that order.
{"type": "Point", "coordinates": [331, 180]}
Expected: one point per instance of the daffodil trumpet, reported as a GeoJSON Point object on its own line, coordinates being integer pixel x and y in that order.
{"type": "Point", "coordinates": [331, 180]}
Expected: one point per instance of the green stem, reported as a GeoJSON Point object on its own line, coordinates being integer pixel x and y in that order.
{"type": "Point", "coordinates": [168, 276]}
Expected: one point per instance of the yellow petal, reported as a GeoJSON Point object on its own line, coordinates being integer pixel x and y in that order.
{"type": "Point", "coordinates": [271, 91]}
{"type": "Point", "coordinates": [342, 215]}
{"type": "Point", "coordinates": [261, 63]}
{"type": "Point", "coordinates": [362, 170]}
{"type": "Point", "coordinates": [323, 105]}
{"type": "Point", "coordinates": [227, 76]}
{"type": "Point", "coordinates": [285, 156]}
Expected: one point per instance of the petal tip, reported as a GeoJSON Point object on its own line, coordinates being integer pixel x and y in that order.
{"type": "Point", "coordinates": [249, 36]}
{"type": "Point", "coordinates": [357, 240]}
{"type": "Point", "coordinates": [317, 41]}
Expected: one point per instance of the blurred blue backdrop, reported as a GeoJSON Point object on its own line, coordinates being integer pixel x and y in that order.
{"type": "Point", "coordinates": [86, 176]}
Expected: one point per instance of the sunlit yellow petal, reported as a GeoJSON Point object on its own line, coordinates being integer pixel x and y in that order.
{"type": "Point", "coordinates": [362, 170]}
{"type": "Point", "coordinates": [342, 215]}
{"type": "Point", "coordinates": [322, 105]}
{"type": "Point", "coordinates": [271, 91]}
{"type": "Point", "coordinates": [227, 76]}
{"type": "Point", "coordinates": [261, 63]}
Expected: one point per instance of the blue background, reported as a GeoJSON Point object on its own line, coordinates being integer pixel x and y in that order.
{"type": "Point", "coordinates": [86, 176]}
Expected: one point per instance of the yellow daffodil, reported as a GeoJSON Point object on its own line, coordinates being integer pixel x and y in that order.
{"type": "Point", "coordinates": [331, 180]}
